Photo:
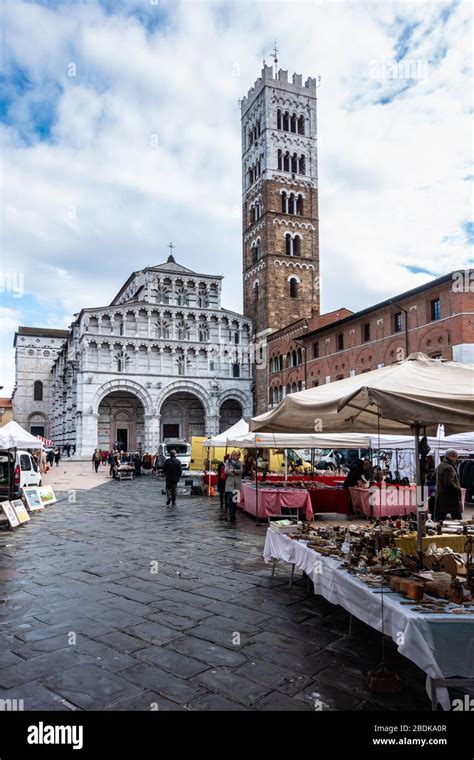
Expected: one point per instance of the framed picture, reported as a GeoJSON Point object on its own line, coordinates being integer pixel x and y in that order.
{"type": "Point", "coordinates": [10, 514]}
{"type": "Point", "coordinates": [46, 495]}
{"type": "Point", "coordinates": [33, 501]}
{"type": "Point", "coordinates": [20, 510]}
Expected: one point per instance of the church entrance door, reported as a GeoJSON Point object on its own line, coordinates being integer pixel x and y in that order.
{"type": "Point", "coordinates": [122, 438]}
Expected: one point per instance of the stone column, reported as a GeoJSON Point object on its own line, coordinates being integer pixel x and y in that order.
{"type": "Point", "coordinates": [89, 434]}
{"type": "Point", "coordinates": [152, 432]}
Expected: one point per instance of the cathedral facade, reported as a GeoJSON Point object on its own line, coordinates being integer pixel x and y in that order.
{"type": "Point", "coordinates": [163, 360]}
{"type": "Point", "coordinates": [279, 208]}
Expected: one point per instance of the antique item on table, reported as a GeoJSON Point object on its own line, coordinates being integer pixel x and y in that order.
{"type": "Point", "coordinates": [412, 589]}
{"type": "Point", "coordinates": [395, 581]}
{"type": "Point", "coordinates": [452, 563]}
{"type": "Point", "coordinates": [456, 591]}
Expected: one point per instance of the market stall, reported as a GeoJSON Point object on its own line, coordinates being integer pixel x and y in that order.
{"type": "Point", "coordinates": [416, 394]}
{"type": "Point", "coordinates": [274, 501]}
{"type": "Point", "coordinates": [430, 633]}
{"type": "Point", "coordinates": [13, 436]}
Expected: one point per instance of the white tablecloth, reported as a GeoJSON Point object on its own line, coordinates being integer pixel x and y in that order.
{"type": "Point", "coordinates": [441, 645]}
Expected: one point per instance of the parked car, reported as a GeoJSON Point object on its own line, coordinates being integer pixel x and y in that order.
{"type": "Point", "coordinates": [18, 469]}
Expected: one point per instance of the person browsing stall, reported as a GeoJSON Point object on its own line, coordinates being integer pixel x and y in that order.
{"type": "Point", "coordinates": [448, 488]}
{"type": "Point", "coordinates": [233, 483]}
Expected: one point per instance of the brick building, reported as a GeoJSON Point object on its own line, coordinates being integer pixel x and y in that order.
{"type": "Point", "coordinates": [436, 318]}
{"type": "Point", "coordinates": [279, 207]}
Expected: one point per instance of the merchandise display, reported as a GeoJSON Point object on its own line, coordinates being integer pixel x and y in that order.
{"type": "Point", "coordinates": [364, 571]}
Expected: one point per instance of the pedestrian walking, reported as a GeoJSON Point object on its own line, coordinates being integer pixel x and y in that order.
{"type": "Point", "coordinates": [221, 479]}
{"type": "Point", "coordinates": [233, 483]}
{"type": "Point", "coordinates": [43, 462]}
{"type": "Point", "coordinates": [172, 470]}
{"type": "Point", "coordinates": [57, 455]}
{"type": "Point", "coordinates": [448, 489]}
{"type": "Point", "coordinates": [97, 459]}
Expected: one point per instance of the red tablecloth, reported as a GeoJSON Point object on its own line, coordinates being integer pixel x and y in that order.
{"type": "Point", "coordinates": [330, 500]}
{"type": "Point", "coordinates": [329, 480]}
{"type": "Point", "coordinates": [271, 501]}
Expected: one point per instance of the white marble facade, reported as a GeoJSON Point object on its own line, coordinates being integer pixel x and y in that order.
{"type": "Point", "coordinates": [164, 360]}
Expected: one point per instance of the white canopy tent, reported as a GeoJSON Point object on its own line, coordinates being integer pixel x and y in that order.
{"type": "Point", "coordinates": [418, 393]}
{"type": "Point", "coordinates": [240, 428]}
{"type": "Point", "coordinates": [292, 441]}
{"type": "Point", "coordinates": [13, 436]}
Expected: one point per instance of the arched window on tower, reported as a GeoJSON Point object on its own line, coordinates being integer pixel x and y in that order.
{"type": "Point", "coordinates": [280, 160]}
{"type": "Point", "coordinates": [250, 137]}
{"type": "Point", "coordinates": [299, 205]}
{"type": "Point", "coordinates": [38, 391]}
{"type": "Point", "coordinates": [297, 246]}
{"type": "Point", "coordinates": [291, 203]}
{"type": "Point", "coordinates": [293, 288]}
{"type": "Point", "coordinates": [294, 359]}
{"type": "Point", "coordinates": [302, 164]}
{"type": "Point", "coordinates": [279, 119]}
{"type": "Point", "coordinates": [252, 214]}
{"type": "Point", "coordinates": [293, 123]}
{"type": "Point", "coordinates": [256, 290]}
{"type": "Point", "coordinates": [288, 244]}
{"type": "Point", "coordinates": [283, 202]}
{"type": "Point", "coordinates": [286, 119]}
{"type": "Point", "coordinates": [286, 162]}
{"type": "Point", "coordinates": [301, 125]}
{"type": "Point", "coordinates": [294, 164]}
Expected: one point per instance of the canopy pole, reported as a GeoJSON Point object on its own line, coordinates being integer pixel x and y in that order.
{"type": "Point", "coordinates": [286, 467]}
{"type": "Point", "coordinates": [210, 471]}
{"type": "Point", "coordinates": [419, 496]}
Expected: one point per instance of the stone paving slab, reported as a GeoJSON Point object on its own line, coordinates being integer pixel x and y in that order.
{"type": "Point", "coordinates": [172, 609]}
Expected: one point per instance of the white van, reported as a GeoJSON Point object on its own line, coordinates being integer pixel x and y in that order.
{"type": "Point", "coordinates": [182, 448]}
{"type": "Point", "coordinates": [18, 469]}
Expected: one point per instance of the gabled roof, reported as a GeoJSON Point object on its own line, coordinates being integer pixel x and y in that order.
{"type": "Point", "coordinates": [41, 332]}
{"type": "Point", "coordinates": [170, 266]}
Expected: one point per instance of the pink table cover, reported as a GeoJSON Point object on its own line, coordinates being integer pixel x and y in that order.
{"type": "Point", "coordinates": [271, 501]}
{"type": "Point", "coordinates": [387, 502]}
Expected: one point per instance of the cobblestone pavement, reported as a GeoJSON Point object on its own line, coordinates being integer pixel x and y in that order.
{"type": "Point", "coordinates": [117, 602]}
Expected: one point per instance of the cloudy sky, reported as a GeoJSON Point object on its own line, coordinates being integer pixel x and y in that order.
{"type": "Point", "coordinates": [120, 132]}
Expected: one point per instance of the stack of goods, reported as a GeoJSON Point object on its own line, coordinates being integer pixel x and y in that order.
{"type": "Point", "coordinates": [370, 553]}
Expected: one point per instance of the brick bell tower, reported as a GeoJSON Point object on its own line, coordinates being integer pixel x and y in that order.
{"type": "Point", "coordinates": [279, 207]}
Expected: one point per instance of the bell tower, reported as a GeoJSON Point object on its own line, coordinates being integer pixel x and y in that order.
{"type": "Point", "coordinates": [279, 207]}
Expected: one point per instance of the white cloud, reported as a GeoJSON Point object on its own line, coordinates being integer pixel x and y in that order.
{"type": "Point", "coordinates": [144, 142]}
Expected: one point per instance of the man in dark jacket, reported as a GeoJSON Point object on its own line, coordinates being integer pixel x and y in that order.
{"type": "Point", "coordinates": [448, 490]}
{"type": "Point", "coordinates": [172, 470]}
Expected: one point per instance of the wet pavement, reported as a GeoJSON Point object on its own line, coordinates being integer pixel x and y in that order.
{"type": "Point", "coordinates": [116, 602]}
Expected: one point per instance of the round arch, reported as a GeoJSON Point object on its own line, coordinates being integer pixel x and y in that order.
{"type": "Point", "coordinates": [123, 385]}
{"type": "Point", "coordinates": [187, 386]}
